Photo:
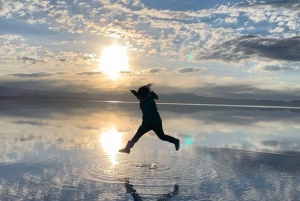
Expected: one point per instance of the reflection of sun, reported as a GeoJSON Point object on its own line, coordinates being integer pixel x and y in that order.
{"type": "Point", "coordinates": [113, 60]}
{"type": "Point", "coordinates": [111, 142]}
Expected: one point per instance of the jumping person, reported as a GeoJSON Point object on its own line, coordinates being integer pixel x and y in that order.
{"type": "Point", "coordinates": [151, 119]}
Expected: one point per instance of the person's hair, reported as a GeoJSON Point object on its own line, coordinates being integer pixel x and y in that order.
{"type": "Point", "coordinates": [144, 90]}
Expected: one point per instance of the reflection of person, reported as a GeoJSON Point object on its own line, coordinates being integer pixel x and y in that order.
{"type": "Point", "coordinates": [137, 197]}
{"type": "Point", "coordinates": [151, 118]}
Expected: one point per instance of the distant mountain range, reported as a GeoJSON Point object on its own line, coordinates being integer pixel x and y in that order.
{"type": "Point", "coordinates": [163, 98]}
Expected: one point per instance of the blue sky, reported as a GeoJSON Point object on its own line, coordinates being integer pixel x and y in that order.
{"type": "Point", "coordinates": [240, 49]}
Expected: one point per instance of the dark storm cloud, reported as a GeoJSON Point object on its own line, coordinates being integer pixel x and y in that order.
{"type": "Point", "coordinates": [254, 47]}
{"type": "Point", "coordinates": [89, 73]}
{"type": "Point", "coordinates": [35, 75]}
{"type": "Point", "coordinates": [190, 70]}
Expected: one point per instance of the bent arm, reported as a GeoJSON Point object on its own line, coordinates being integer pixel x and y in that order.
{"type": "Point", "coordinates": [135, 93]}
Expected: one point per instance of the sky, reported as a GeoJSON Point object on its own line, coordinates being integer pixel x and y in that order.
{"type": "Point", "coordinates": [230, 49]}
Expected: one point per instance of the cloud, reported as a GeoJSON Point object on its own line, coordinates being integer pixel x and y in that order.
{"type": "Point", "coordinates": [273, 66]}
{"type": "Point", "coordinates": [291, 5]}
{"type": "Point", "coordinates": [250, 47]}
{"type": "Point", "coordinates": [36, 75]}
{"type": "Point", "coordinates": [279, 68]}
{"type": "Point", "coordinates": [210, 88]}
{"type": "Point", "coordinates": [247, 91]}
{"type": "Point", "coordinates": [76, 31]}
{"type": "Point", "coordinates": [125, 72]}
{"type": "Point", "coordinates": [25, 59]}
{"type": "Point", "coordinates": [89, 73]}
{"type": "Point", "coordinates": [62, 60]}
{"type": "Point", "coordinates": [11, 37]}
{"type": "Point", "coordinates": [33, 123]}
{"type": "Point", "coordinates": [88, 127]}
{"type": "Point", "coordinates": [157, 31]}
{"type": "Point", "coordinates": [154, 70]}
{"type": "Point", "coordinates": [189, 70]}
{"type": "Point", "coordinates": [31, 60]}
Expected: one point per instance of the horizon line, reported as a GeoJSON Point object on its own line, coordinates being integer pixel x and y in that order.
{"type": "Point", "coordinates": [179, 104]}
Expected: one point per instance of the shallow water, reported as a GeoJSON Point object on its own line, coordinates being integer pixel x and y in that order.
{"type": "Point", "coordinates": [52, 150]}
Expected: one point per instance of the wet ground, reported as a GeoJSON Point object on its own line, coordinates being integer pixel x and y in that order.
{"type": "Point", "coordinates": [52, 150]}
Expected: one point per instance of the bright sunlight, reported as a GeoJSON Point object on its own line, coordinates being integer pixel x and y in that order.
{"type": "Point", "coordinates": [111, 142]}
{"type": "Point", "coordinates": [113, 60]}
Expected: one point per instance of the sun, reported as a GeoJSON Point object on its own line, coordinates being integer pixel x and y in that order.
{"type": "Point", "coordinates": [113, 60]}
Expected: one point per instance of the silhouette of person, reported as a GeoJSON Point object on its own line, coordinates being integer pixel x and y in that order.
{"type": "Point", "coordinates": [132, 191]}
{"type": "Point", "coordinates": [136, 197]}
{"type": "Point", "coordinates": [167, 196]}
{"type": "Point", "coordinates": [151, 119]}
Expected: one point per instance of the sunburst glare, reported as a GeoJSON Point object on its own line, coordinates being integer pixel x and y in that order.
{"type": "Point", "coordinates": [113, 60]}
{"type": "Point", "coordinates": [111, 142]}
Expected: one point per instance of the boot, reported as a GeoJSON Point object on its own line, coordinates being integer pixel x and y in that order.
{"type": "Point", "coordinates": [177, 144]}
{"type": "Point", "coordinates": [127, 148]}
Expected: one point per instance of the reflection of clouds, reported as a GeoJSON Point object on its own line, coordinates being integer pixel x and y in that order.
{"type": "Point", "coordinates": [77, 126]}
{"type": "Point", "coordinates": [254, 176]}
{"type": "Point", "coordinates": [217, 174]}
{"type": "Point", "coordinates": [284, 145]}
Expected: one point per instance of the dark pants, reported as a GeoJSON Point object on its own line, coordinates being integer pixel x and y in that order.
{"type": "Point", "coordinates": [157, 128]}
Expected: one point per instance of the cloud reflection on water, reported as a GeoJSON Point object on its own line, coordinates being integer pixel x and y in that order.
{"type": "Point", "coordinates": [71, 147]}
{"type": "Point", "coordinates": [77, 126]}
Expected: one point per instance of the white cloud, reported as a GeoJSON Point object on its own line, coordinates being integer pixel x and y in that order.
{"type": "Point", "coordinates": [216, 34]}
{"type": "Point", "coordinates": [277, 30]}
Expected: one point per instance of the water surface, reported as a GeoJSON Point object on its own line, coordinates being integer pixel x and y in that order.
{"type": "Point", "coordinates": [52, 150]}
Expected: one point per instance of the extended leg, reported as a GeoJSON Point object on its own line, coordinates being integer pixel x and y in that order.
{"type": "Point", "coordinates": [158, 129]}
{"type": "Point", "coordinates": [140, 132]}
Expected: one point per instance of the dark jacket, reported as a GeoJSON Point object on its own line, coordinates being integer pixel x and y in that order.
{"type": "Point", "coordinates": [149, 109]}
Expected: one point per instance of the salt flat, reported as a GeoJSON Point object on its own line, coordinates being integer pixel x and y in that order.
{"type": "Point", "coordinates": [69, 151]}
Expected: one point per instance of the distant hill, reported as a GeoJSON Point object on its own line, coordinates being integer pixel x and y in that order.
{"type": "Point", "coordinates": [172, 98]}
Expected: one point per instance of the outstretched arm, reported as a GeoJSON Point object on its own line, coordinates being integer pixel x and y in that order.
{"type": "Point", "coordinates": [135, 93]}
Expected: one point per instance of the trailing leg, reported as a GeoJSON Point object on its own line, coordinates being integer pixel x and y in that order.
{"type": "Point", "coordinates": [160, 133]}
